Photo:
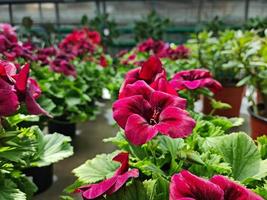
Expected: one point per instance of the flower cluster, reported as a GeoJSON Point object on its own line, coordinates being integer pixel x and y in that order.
{"type": "Point", "coordinates": [194, 79]}
{"type": "Point", "coordinates": [10, 47]}
{"type": "Point", "coordinates": [17, 87]}
{"type": "Point", "coordinates": [188, 186]}
{"type": "Point", "coordinates": [81, 43]}
{"type": "Point", "coordinates": [148, 105]}
{"type": "Point", "coordinates": [152, 47]}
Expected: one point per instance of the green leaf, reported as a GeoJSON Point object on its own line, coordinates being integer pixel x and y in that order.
{"type": "Point", "coordinates": [171, 145]}
{"type": "Point", "coordinates": [8, 191]}
{"type": "Point", "coordinates": [262, 146]}
{"type": "Point", "coordinates": [99, 168]}
{"type": "Point", "coordinates": [218, 105]}
{"type": "Point", "coordinates": [239, 150]}
{"type": "Point", "coordinates": [53, 147]}
{"type": "Point", "coordinates": [16, 119]}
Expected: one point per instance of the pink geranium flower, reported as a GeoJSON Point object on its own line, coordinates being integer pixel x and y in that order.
{"type": "Point", "coordinates": [152, 73]}
{"type": "Point", "coordinates": [144, 112]}
{"type": "Point", "coordinates": [186, 186]}
{"type": "Point", "coordinates": [195, 79]}
{"type": "Point", "coordinates": [113, 184]}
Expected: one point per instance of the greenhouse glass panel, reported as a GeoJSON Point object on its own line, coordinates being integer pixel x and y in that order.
{"type": "Point", "coordinates": [4, 17]}
{"type": "Point", "coordinates": [182, 12]}
{"type": "Point", "coordinates": [71, 13]}
{"type": "Point", "coordinates": [128, 11]}
{"type": "Point", "coordinates": [230, 11]}
{"type": "Point", "coordinates": [26, 10]}
{"type": "Point", "coordinates": [257, 8]}
{"type": "Point", "coordinates": [48, 12]}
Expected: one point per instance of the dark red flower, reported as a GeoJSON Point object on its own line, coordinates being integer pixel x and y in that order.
{"type": "Point", "coordinates": [94, 36]}
{"type": "Point", "coordinates": [144, 112]}
{"type": "Point", "coordinates": [232, 190]}
{"type": "Point", "coordinates": [150, 71]}
{"type": "Point", "coordinates": [188, 186]}
{"type": "Point", "coordinates": [8, 99]}
{"type": "Point", "coordinates": [113, 184]}
{"type": "Point", "coordinates": [103, 61]}
{"type": "Point", "coordinates": [179, 52]}
{"type": "Point", "coordinates": [61, 64]}
{"type": "Point", "coordinates": [194, 79]}
{"type": "Point", "coordinates": [28, 91]}
{"type": "Point", "coordinates": [7, 69]}
{"type": "Point", "coordinates": [157, 48]}
{"type": "Point", "coordinates": [9, 32]}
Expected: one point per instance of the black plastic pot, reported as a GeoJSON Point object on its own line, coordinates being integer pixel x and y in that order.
{"type": "Point", "coordinates": [41, 176]}
{"type": "Point", "coordinates": [63, 127]}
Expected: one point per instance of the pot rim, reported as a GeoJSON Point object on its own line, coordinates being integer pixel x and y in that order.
{"type": "Point", "coordinates": [61, 121]}
{"type": "Point", "coordinates": [253, 114]}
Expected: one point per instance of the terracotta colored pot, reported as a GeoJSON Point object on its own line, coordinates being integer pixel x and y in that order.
{"type": "Point", "coordinates": [258, 123]}
{"type": "Point", "coordinates": [229, 94]}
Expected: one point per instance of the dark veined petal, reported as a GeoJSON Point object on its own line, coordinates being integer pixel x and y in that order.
{"type": "Point", "coordinates": [175, 123]}
{"type": "Point", "coordinates": [138, 131]}
{"type": "Point", "coordinates": [163, 100]}
{"type": "Point", "coordinates": [138, 88]}
{"type": "Point", "coordinates": [232, 190]}
{"type": "Point", "coordinates": [187, 185]}
{"type": "Point", "coordinates": [127, 106]}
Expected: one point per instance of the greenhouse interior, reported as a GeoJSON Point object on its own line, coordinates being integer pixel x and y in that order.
{"type": "Point", "coordinates": [133, 100]}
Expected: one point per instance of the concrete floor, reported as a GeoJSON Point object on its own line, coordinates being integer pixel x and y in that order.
{"type": "Point", "coordinates": [88, 143]}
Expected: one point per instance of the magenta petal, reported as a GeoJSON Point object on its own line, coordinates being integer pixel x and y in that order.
{"type": "Point", "coordinates": [138, 131]}
{"type": "Point", "coordinates": [232, 190]}
{"type": "Point", "coordinates": [187, 185]}
{"type": "Point", "coordinates": [150, 69]}
{"type": "Point", "coordinates": [98, 189]}
{"type": "Point", "coordinates": [175, 123]}
{"type": "Point", "coordinates": [131, 77]}
{"type": "Point", "coordinates": [137, 88]}
{"type": "Point", "coordinates": [163, 100]}
{"type": "Point", "coordinates": [123, 158]}
{"type": "Point", "coordinates": [192, 85]}
{"type": "Point", "coordinates": [177, 84]}
{"type": "Point", "coordinates": [163, 85]}
{"type": "Point", "coordinates": [127, 106]}
{"type": "Point", "coordinates": [8, 102]}
{"type": "Point", "coordinates": [211, 84]}
{"type": "Point", "coordinates": [33, 107]}
{"type": "Point", "coordinates": [122, 179]}
{"type": "Point", "coordinates": [22, 78]}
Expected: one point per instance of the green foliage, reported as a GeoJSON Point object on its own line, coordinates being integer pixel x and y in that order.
{"type": "Point", "coordinates": [22, 148]}
{"type": "Point", "coordinates": [240, 152]}
{"type": "Point", "coordinates": [68, 97]}
{"type": "Point", "coordinates": [152, 26]}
